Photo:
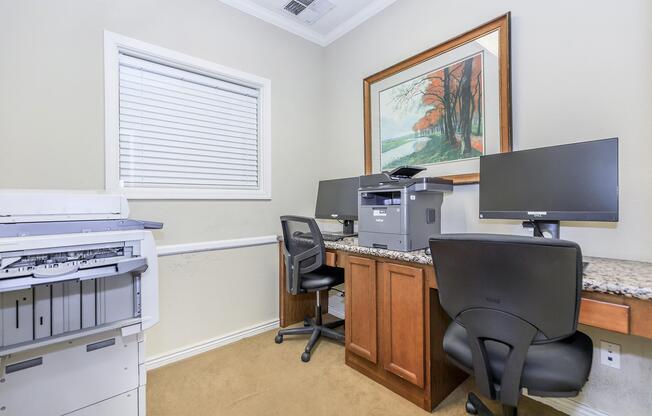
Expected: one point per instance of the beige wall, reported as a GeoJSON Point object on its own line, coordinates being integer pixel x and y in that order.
{"type": "Point", "coordinates": [232, 291]}
{"type": "Point", "coordinates": [52, 136]}
{"type": "Point", "coordinates": [580, 71]}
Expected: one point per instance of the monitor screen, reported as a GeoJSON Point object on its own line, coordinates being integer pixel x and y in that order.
{"type": "Point", "coordinates": [569, 182]}
{"type": "Point", "coordinates": [338, 199]}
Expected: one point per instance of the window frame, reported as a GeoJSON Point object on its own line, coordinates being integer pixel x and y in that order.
{"type": "Point", "coordinates": [114, 44]}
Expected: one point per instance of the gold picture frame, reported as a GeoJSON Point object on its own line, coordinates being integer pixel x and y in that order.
{"type": "Point", "coordinates": [502, 135]}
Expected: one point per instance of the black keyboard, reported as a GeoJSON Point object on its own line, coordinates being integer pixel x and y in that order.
{"type": "Point", "coordinates": [332, 237]}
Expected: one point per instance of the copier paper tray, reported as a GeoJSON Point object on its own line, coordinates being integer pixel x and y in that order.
{"type": "Point", "coordinates": [51, 292]}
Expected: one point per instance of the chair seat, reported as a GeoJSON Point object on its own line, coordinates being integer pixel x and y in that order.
{"type": "Point", "coordinates": [557, 369]}
{"type": "Point", "coordinates": [321, 279]}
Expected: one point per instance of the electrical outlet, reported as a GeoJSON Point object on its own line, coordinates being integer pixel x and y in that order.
{"type": "Point", "coordinates": [610, 354]}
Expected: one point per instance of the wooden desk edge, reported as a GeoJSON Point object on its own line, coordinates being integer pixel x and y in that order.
{"type": "Point", "coordinates": [618, 313]}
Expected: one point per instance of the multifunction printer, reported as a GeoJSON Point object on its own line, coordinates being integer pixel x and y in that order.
{"type": "Point", "coordinates": [78, 288]}
{"type": "Point", "coordinates": [397, 211]}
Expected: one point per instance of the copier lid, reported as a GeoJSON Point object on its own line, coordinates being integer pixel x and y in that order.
{"type": "Point", "coordinates": [406, 171]}
{"type": "Point", "coordinates": [17, 206]}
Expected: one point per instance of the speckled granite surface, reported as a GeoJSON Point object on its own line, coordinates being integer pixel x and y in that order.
{"type": "Point", "coordinates": [619, 277]}
{"type": "Point", "coordinates": [351, 245]}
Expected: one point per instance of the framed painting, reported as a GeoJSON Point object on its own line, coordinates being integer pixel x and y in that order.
{"type": "Point", "coordinates": [443, 108]}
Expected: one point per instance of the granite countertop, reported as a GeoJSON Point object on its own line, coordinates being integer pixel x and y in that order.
{"type": "Point", "coordinates": [618, 277]}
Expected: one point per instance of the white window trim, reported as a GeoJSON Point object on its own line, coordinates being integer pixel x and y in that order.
{"type": "Point", "coordinates": [113, 45]}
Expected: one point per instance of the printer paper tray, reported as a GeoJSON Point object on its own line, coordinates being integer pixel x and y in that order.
{"type": "Point", "coordinates": [72, 376]}
{"type": "Point", "coordinates": [68, 336]}
{"type": "Point", "coordinates": [37, 309]}
{"type": "Point", "coordinates": [133, 265]}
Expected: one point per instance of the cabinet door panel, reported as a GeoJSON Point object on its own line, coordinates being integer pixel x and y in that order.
{"type": "Point", "coordinates": [403, 329]}
{"type": "Point", "coordinates": [361, 309]}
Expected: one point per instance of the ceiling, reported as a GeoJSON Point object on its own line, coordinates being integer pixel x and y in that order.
{"type": "Point", "coordinates": [344, 16]}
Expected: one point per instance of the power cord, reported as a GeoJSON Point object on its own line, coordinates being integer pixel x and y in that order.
{"type": "Point", "coordinates": [537, 229]}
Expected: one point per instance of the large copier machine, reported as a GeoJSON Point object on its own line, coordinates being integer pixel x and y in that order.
{"type": "Point", "coordinates": [397, 211]}
{"type": "Point", "coordinates": [78, 286]}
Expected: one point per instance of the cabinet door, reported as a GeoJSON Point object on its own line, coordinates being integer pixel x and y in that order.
{"type": "Point", "coordinates": [402, 331]}
{"type": "Point", "coordinates": [361, 332]}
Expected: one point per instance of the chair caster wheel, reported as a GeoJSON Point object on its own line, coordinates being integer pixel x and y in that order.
{"type": "Point", "coordinates": [305, 357]}
{"type": "Point", "coordinates": [306, 322]}
{"type": "Point", "coordinates": [470, 409]}
{"type": "Point", "coordinates": [278, 339]}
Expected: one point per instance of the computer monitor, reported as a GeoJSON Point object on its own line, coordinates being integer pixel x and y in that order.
{"type": "Point", "coordinates": [572, 182]}
{"type": "Point", "coordinates": [337, 199]}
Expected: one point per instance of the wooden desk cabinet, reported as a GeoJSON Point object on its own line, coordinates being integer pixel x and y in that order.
{"type": "Point", "coordinates": [362, 307]}
{"type": "Point", "coordinates": [395, 324]}
{"type": "Point", "coordinates": [393, 320]}
{"type": "Point", "coordinates": [387, 316]}
{"type": "Point", "coordinates": [402, 328]}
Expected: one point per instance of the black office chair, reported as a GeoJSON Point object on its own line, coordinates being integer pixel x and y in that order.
{"type": "Point", "coordinates": [514, 302]}
{"type": "Point", "coordinates": [305, 272]}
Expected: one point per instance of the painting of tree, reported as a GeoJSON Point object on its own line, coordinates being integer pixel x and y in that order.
{"type": "Point", "coordinates": [434, 118]}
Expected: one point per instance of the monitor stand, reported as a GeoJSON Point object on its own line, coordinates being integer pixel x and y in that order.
{"type": "Point", "coordinates": [347, 231]}
{"type": "Point", "coordinates": [542, 227]}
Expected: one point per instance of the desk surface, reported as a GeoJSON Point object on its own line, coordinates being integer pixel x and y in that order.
{"type": "Point", "coordinates": [618, 277]}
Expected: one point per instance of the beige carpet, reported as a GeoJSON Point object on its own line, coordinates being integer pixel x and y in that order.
{"type": "Point", "coordinates": [256, 377]}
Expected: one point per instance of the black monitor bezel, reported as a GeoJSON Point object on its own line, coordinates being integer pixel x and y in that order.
{"type": "Point", "coordinates": [602, 216]}
{"type": "Point", "coordinates": [330, 216]}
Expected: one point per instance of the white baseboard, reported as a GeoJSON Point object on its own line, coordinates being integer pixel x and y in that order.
{"type": "Point", "coordinates": [569, 406]}
{"type": "Point", "coordinates": [192, 350]}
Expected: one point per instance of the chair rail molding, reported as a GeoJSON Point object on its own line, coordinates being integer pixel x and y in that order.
{"type": "Point", "coordinates": [185, 248]}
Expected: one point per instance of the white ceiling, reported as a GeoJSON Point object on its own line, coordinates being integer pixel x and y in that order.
{"type": "Point", "coordinates": [344, 17]}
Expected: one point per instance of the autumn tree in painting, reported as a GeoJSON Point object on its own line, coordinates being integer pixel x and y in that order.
{"type": "Point", "coordinates": [456, 95]}
{"type": "Point", "coordinates": [450, 103]}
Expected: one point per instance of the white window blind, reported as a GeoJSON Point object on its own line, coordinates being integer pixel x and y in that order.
{"type": "Point", "coordinates": [183, 130]}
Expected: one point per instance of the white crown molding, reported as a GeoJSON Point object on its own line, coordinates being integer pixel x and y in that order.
{"type": "Point", "coordinates": [356, 20]}
{"type": "Point", "coordinates": [286, 23]}
{"type": "Point", "coordinates": [268, 16]}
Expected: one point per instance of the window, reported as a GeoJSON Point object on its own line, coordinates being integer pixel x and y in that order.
{"type": "Point", "coordinates": [178, 127]}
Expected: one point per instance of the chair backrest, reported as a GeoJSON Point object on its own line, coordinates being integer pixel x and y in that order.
{"type": "Point", "coordinates": [304, 249]}
{"type": "Point", "coordinates": [513, 290]}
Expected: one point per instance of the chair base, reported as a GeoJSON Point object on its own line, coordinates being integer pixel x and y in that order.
{"type": "Point", "coordinates": [316, 328]}
{"type": "Point", "coordinates": [474, 406]}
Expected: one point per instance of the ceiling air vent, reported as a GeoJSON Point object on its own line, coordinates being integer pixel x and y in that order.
{"type": "Point", "coordinates": [294, 7]}
{"type": "Point", "coordinates": [309, 11]}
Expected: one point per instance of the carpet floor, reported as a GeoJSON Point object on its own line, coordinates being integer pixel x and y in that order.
{"type": "Point", "coordinates": [255, 377]}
